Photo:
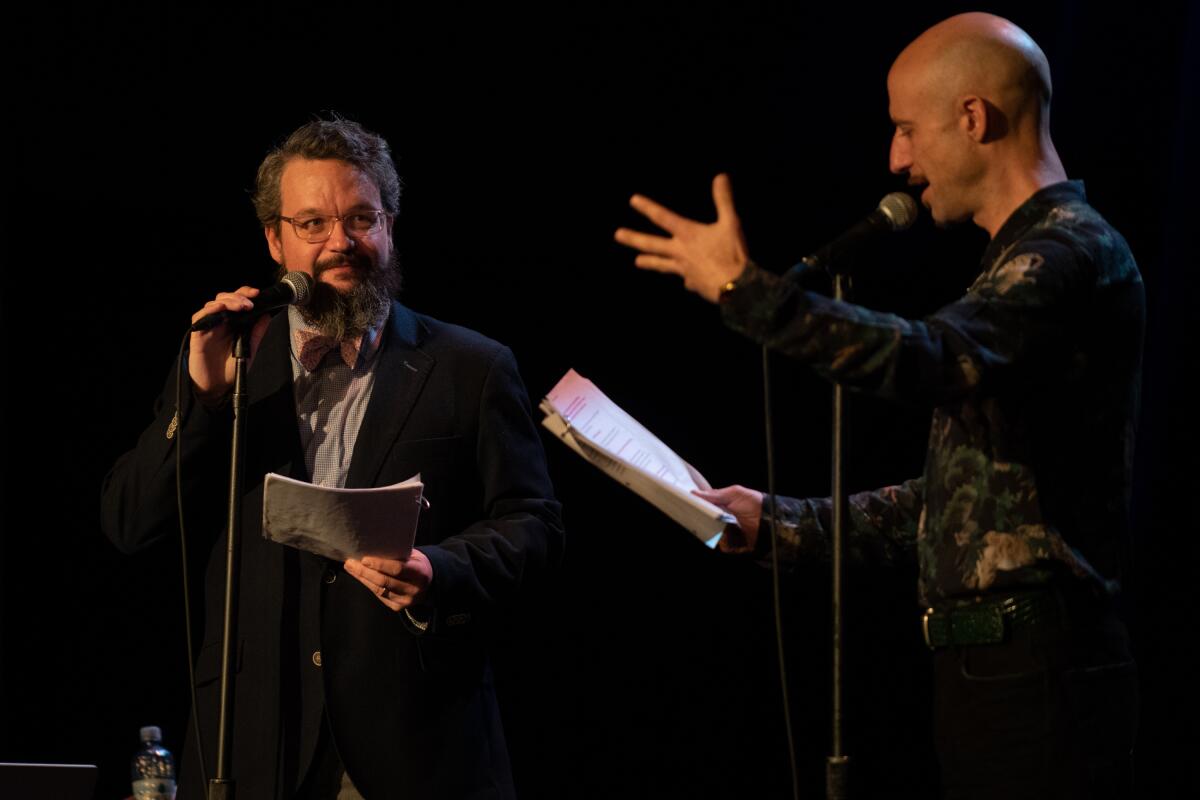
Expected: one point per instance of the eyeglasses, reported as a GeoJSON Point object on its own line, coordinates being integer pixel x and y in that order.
{"type": "Point", "coordinates": [319, 227]}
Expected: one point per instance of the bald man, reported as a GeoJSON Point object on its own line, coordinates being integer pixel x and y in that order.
{"type": "Point", "coordinates": [1019, 524]}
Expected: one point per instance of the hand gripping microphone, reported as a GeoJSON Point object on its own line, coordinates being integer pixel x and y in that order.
{"type": "Point", "coordinates": [293, 289]}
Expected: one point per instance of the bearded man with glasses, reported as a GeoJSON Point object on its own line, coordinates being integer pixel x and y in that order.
{"type": "Point", "coordinates": [370, 675]}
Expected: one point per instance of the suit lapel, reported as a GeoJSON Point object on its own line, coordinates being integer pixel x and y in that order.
{"type": "Point", "coordinates": [272, 368]}
{"type": "Point", "coordinates": [272, 421]}
{"type": "Point", "coordinates": [400, 376]}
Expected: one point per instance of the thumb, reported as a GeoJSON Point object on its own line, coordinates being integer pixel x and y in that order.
{"type": "Point", "coordinates": [722, 192]}
{"type": "Point", "coordinates": [720, 497]}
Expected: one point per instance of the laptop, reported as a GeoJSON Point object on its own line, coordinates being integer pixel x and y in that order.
{"type": "Point", "coordinates": [47, 781]}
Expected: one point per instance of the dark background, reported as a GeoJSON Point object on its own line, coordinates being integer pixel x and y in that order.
{"type": "Point", "coordinates": [648, 667]}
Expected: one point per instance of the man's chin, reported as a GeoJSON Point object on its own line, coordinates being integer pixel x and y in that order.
{"type": "Point", "coordinates": [942, 213]}
{"type": "Point", "coordinates": [924, 197]}
{"type": "Point", "coordinates": [936, 212]}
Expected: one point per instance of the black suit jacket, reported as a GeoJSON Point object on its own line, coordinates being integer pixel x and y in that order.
{"type": "Point", "coordinates": [412, 715]}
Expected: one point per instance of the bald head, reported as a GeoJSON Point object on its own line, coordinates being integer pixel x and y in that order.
{"type": "Point", "coordinates": [979, 54]}
{"type": "Point", "coordinates": [970, 99]}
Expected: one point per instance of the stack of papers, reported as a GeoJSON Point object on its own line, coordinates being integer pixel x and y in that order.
{"type": "Point", "coordinates": [589, 423]}
{"type": "Point", "coordinates": [343, 523]}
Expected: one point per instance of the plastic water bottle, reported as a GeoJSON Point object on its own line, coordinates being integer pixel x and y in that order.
{"type": "Point", "coordinates": [153, 768]}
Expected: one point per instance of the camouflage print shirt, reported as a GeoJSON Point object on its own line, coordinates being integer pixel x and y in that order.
{"type": "Point", "coordinates": [1033, 380]}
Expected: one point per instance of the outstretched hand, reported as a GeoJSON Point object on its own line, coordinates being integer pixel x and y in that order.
{"type": "Point", "coordinates": [707, 256]}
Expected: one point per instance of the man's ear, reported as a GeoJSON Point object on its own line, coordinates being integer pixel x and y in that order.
{"type": "Point", "coordinates": [273, 242]}
{"type": "Point", "coordinates": [980, 120]}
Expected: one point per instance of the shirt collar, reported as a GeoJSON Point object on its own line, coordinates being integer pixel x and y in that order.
{"type": "Point", "coordinates": [1030, 213]}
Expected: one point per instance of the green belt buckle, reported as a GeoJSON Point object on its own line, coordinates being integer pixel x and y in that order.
{"type": "Point", "coordinates": [963, 626]}
{"type": "Point", "coordinates": [977, 625]}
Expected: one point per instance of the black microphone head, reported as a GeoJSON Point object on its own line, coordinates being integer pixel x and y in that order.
{"type": "Point", "coordinates": [900, 210]}
{"type": "Point", "coordinates": [301, 283]}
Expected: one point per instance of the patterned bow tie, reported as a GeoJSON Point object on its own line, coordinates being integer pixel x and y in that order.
{"type": "Point", "coordinates": [311, 347]}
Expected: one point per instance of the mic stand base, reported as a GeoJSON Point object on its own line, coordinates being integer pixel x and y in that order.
{"type": "Point", "coordinates": [837, 777]}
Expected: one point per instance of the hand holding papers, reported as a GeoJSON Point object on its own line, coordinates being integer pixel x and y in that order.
{"type": "Point", "coordinates": [342, 523]}
{"type": "Point", "coordinates": [600, 431]}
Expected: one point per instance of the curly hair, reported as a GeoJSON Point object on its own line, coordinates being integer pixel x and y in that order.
{"type": "Point", "coordinates": [336, 138]}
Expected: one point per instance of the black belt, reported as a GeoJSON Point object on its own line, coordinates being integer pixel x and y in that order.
{"type": "Point", "coordinates": [987, 620]}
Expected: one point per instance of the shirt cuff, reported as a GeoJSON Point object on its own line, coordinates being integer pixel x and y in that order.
{"type": "Point", "coordinates": [748, 303]}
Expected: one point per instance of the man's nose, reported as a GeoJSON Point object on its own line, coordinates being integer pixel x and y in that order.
{"type": "Point", "coordinates": [338, 238]}
{"type": "Point", "coordinates": [900, 157]}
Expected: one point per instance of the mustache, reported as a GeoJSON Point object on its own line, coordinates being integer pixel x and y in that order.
{"type": "Point", "coordinates": [358, 262]}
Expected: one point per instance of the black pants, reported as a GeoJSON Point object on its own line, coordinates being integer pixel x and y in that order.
{"type": "Point", "coordinates": [1051, 712]}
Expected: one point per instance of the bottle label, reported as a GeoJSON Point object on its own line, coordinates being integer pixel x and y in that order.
{"type": "Point", "coordinates": [154, 789]}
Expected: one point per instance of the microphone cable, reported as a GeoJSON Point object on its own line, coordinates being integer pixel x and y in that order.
{"type": "Point", "coordinates": [299, 285]}
{"type": "Point", "coordinates": [896, 212]}
{"type": "Point", "coordinates": [187, 594]}
{"type": "Point", "coordinates": [775, 589]}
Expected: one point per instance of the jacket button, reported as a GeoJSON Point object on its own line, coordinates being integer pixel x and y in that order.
{"type": "Point", "coordinates": [330, 576]}
{"type": "Point", "coordinates": [316, 657]}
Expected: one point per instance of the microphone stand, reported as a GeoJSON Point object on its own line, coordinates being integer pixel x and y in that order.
{"type": "Point", "coordinates": [896, 212]}
{"type": "Point", "coordinates": [837, 765]}
{"type": "Point", "coordinates": [222, 787]}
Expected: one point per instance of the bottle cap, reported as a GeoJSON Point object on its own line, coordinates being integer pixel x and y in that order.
{"type": "Point", "coordinates": [151, 733]}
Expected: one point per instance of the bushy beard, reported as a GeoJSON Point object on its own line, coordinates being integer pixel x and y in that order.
{"type": "Point", "coordinates": [350, 314]}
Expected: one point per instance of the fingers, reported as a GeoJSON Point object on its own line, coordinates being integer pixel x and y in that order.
{"type": "Point", "coordinates": [669, 221]}
{"type": "Point", "coordinates": [721, 497]}
{"type": "Point", "coordinates": [661, 216]}
{"type": "Point", "coordinates": [211, 365]}
{"type": "Point", "coordinates": [393, 601]}
{"type": "Point", "coordinates": [646, 242]}
{"type": "Point", "coordinates": [659, 264]}
{"type": "Point", "coordinates": [722, 192]}
{"type": "Point", "coordinates": [223, 302]}
{"type": "Point", "coordinates": [383, 577]}
{"type": "Point", "coordinates": [390, 566]}
{"type": "Point", "coordinates": [228, 301]}
{"type": "Point", "coordinates": [385, 581]}
{"type": "Point", "coordinates": [389, 591]}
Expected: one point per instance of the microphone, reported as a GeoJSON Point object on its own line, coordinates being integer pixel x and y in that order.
{"type": "Point", "coordinates": [896, 212]}
{"type": "Point", "coordinates": [293, 289]}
